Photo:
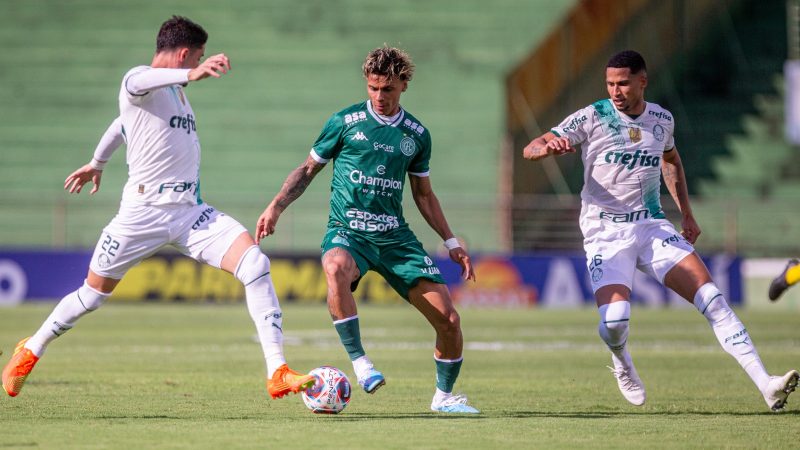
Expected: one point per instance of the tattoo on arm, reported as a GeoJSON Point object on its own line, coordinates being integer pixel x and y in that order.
{"type": "Point", "coordinates": [296, 183]}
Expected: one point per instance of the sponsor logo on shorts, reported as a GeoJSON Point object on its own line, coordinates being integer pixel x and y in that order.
{"type": "Point", "coordinates": [367, 221]}
{"type": "Point", "coordinates": [340, 239]}
{"type": "Point", "coordinates": [672, 240]}
{"type": "Point", "coordinates": [633, 216]}
{"type": "Point", "coordinates": [103, 261]}
{"type": "Point", "coordinates": [204, 217]}
{"type": "Point", "coordinates": [178, 186]}
{"type": "Point", "coordinates": [428, 260]}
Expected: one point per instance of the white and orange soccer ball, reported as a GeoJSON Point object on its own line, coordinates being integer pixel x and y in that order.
{"type": "Point", "coordinates": [330, 393]}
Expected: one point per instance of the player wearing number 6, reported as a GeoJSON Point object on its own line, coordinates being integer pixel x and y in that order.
{"type": "Point", "coordinates": [627, 145]}
{"type": "Point", "coordinates": [161, 205]}
{"type": "Point", "coordinates": [374, 145]}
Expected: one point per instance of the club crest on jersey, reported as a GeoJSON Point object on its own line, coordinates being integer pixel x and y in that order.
{"type": "Point", "coordinates": [359, 136]}
{"type": "Point", "coordinates": [659, 133]}
{"type": "Point", "coordinates": [635, 134]}
{"type": "Point", "coordinates": [407, 146]}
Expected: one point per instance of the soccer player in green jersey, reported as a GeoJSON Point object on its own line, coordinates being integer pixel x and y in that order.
{"type": "Point", "coordinates": [373, 145]}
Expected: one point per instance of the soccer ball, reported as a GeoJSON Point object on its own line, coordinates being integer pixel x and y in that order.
{"type": "Point", "coordinates": [330, 393]}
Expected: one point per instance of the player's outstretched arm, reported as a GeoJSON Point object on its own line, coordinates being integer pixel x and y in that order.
{"type": "Point", "coordinates": [431, 210]}
{"type": "Point", "coordinates": [546, 145]}
{"type": "Point", "coordinates": [675, 181]}
{"type": "Point", "coordinates": [294, 186]}
{"type": "Point", "coordinates": [214, 66]}
{"type": "Point", "coordinates": [93, 171]}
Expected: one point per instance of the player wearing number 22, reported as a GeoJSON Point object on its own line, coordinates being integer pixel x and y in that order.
{"type": "Point", "coordinates": [627, 145]}
{"type": "Point", "coordinates": [161, 205]}
{"type": "Point", "coordinates": [373, 146]}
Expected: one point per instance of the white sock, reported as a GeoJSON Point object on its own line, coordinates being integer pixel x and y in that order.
{"type": "Point", "coordinates": [613, 329]}
{"type": "Point", "coordinates": [71, 308]}
{"type": "Point", "coordinates": [361, 366]}
{"type": "Point", "coordinates": [262, 303]}
{"type": "Point", "coordinates": [730, 332]}
{"type": "Point", "coordinates": [440, 396]}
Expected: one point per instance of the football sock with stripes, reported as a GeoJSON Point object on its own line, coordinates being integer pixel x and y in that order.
{"type": "Point", "coordinates": [253, 271]}
{"type": "Point", "coordinates": [71, 308]}
{"type": "Point", "coordinates": [613, 329]}
{"type": "Point", "coordinates": [730, 332]}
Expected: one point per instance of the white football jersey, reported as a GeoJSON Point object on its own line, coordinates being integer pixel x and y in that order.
{"type": "Point", "coordinates": [163, 153]}
{"type": "Point", "coordinates": [621, 160]}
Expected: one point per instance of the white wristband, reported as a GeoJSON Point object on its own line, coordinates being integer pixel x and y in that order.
{"type": "Point", "coordinates": [97, 164]}
{"type": "Point", "coordinates": [451, 243]}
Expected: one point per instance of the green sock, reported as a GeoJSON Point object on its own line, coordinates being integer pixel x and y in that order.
{"type": "Point", "coordinates": [350, 335]}
{"type": "Point", "coordinates": [446, 373]}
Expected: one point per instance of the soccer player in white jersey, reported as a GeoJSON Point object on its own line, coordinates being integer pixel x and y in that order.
{"type": "Point", "coordinates": [626, 145]}
{"type": "Point", "coordinates": [161, 205]}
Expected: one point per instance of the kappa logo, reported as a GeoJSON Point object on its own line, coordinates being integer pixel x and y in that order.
{"type": "Point", "coordinates": [359, 136]}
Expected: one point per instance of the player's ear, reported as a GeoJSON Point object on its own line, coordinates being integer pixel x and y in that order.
{"type": "Point", "coordinates": [182, 54]}
{"type": "Point", "coordinates": [405, 86]}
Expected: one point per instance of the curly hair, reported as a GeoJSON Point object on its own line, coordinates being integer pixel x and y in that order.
{"type": "Point", "coordinates": [389, 62]}
{"type": "Point", "coordinates": [180, 32]}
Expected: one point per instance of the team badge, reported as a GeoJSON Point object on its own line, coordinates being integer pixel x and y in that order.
{"type": "Point", "coordinates": [103, 261]}
{"type": "Point", "coordinates": [407, 146]}
{"type": "Point", "coordinates": [597, 274]}
{"type": "Point", "coordinates": [659, 132]}
{"type": "Point", "coordinates": [635, 134]}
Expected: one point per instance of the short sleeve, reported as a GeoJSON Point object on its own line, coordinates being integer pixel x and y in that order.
{"type": "Point", "coordinates": [420, 165]}
{"type": "Point", "coordinates": [329, 142]}
{"type": "Point", "coordinates": [575, 127]}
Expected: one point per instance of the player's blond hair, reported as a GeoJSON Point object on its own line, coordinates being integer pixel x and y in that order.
{"type": "Point", "coordinates": [389, 62]}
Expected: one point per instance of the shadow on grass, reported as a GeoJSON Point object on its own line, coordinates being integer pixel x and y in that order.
{"type": "Point", "coordinates": [615, 414]}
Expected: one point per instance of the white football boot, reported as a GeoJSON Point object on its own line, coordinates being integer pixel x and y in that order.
{"type": "Point", "coordinates": [630, 385]}
{"type": "Point", "coordinates": [779, 388]}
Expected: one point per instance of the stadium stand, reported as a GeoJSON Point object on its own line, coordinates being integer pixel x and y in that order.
{"type": "Point", "coordinates": [294, 63]}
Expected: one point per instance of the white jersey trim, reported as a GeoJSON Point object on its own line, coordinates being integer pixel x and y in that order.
{"type": "Point", "coordinates": [392, 121]}
{"type": "Point", "coordinates": [427, 173]}
{"type": "Point", "coordinates": [318, 158]}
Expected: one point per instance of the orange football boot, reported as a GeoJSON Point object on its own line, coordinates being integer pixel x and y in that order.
{"type": "Point", "coordinates": [285, 381]}
{"type": "Point", "coordinates": [18, 368]}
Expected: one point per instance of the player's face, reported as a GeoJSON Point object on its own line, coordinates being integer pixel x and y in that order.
{"type": "Point", "coordinates": [626, 90]}
{"type": "Point", "coordinates": [384, 95]}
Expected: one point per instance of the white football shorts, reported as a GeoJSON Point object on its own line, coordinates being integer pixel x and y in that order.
{"type": "Point", "coordinates": [615, 250]}
{"type": "Point", "coordinates": [138, 231]}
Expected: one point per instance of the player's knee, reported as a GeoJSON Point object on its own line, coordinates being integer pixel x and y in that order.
{"type": "Point", "coordinates": [337, 272]}
{"type": "Point", "coordinates": [448, 323]}
{"type": "Point", "coordinates": [254, 265]}
{"type": "Point", "coordinates": [91, 298]}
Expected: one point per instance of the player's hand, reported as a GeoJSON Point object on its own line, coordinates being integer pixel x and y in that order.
{"type": "Point", "coordinates": [559, 146]}
{"type": "Point", "coordinates": [266, 222]}
{"type": "Point", "coordinates": [75, 181]}
{"type": "Point", "coordinates": [460, 256]}
{"type": "Point", "coordinates": [213, 66]}
{"type": "Point", "coordinates": [690, 230]}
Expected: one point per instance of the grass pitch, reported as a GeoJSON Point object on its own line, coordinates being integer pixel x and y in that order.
{"type": "Point", "coordinates": [177, 376]}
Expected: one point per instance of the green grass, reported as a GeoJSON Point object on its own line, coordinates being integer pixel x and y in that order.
{"type": "Point", "coordinates": [177, 376]}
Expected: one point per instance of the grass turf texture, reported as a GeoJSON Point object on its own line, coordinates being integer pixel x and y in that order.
{"type": "Point", "coordinates": [176, 376]}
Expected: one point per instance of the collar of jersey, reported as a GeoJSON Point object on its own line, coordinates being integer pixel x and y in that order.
{"type": "Point", "coordinates": [381, 120]}
{"type": "Point", "coordinates": [628, 118]}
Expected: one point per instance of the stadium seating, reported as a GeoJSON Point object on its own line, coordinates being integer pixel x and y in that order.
{"type": "Point", "coordinates": [294, 63]}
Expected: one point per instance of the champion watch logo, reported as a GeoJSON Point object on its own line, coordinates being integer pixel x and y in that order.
{"type": "Point", "coordinates": [359, 136]}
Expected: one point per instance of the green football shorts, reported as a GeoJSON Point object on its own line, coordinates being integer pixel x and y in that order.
{"type": "Point", "coordinates": [401, 261]}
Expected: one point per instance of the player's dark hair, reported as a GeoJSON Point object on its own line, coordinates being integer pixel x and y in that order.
{"type": "Point", "coordinates": [628, 59]}
{"type": "Point", "coordinates": [389, 62]}
{"type": "Point", "coordinates": [180, 32]}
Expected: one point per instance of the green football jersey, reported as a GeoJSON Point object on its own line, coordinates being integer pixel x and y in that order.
{"type": "Point", "coordinates": [370, 160]}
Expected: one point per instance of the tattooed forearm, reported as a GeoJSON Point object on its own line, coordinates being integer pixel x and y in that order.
{"type": "Point", "coordinates": [295, 184]}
